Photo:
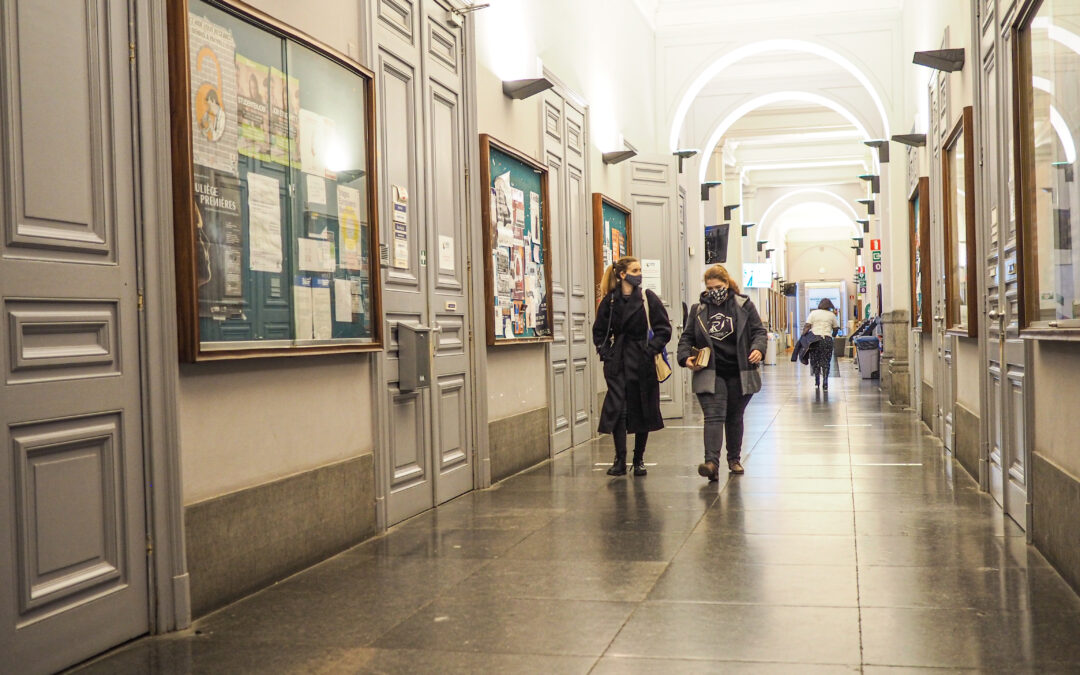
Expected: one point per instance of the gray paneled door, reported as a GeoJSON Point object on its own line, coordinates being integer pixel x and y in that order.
{"type": "Point", "coordinates": [73, 557]}
{"type": "Point", "coordinates": [1006, 380]}
{"type": "Point", "coordinates": [419, 64]}
{"type": "Point", "coordinates": [652, 186]}
{"type": "Point", "coordinates": [563, 123]}
{"type": "Point", "coordinates": [944, 370]}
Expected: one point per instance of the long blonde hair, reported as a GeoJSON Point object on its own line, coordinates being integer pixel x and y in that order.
{"type": "Point", "coordinates": [720, 272]}
{"type": "Point", "coordinates": [610, 280]}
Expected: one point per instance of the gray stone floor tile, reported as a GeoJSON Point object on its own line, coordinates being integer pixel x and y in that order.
{"type": "Point", "coordinates": [696, 579]}
{"type": "Point", "coordinates": [617, 665]}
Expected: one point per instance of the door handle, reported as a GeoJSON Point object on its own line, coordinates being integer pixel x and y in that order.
{"type": "Point", "coordinates": [939, 318]}
{"type": "Point", "coordinates": [995, 315]}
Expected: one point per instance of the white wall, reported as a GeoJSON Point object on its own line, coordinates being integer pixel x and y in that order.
{"type": "Point", "coordinates": [602, 50]}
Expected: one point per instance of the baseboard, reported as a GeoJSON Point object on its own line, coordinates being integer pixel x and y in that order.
{"type": "Point", "coordinates": [246, 540]}
{"type": "Point", "coordinates": [966, 442]}
{"type": "Point", "coordinates": [1055, 526]}
{"type": "Point", "coordinates": [518, 442]}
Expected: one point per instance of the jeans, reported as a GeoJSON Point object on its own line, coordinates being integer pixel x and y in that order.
{"type": "Point", "coordinates": [723, 412]}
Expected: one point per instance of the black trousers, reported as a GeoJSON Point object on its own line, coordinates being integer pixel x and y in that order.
{"type": "Point", "coordinates": [723, 412]}
{"type": "Point", "coordinates": [821, 355]}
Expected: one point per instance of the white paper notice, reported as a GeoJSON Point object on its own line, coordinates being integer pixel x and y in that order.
{"type": "Point", "coordinates": [446, 253]}
{"type": "Point", "coordinates": [348, 203]}
{"type": "Point", "coordinates": [316, 189]}
{"type": "Point", "coordinates": [264, 228]}
{"type": "Point", "coordinates": [316, 139]}
{"type": "Point", "coordinates": [343, 301]}
{"type": "Point", "coordinates": [316, 255]}
{"type": "Point", "coordinates": [498, 321]}
{"type": "Point", "coordinates": [650, 276]}
{"type": "Point", "coordinates": [534, 217]}
{"type": "Point", "coordinates": [302, 307]}
{"type": "Point", "coordinates": [320, 309]}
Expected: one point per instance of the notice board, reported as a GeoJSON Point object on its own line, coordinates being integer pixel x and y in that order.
{"type": "Point", "coordinates": [517, 266]}
{"type": "Point", "coordinates": [612, 236]}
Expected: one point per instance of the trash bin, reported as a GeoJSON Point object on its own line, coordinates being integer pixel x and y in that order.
{"type": "Point", "coordinates": [867, 356]}
{"type": "Point", "coordinates": [839, 345]}
{"type": "Point", "coordinates": [770, 351]}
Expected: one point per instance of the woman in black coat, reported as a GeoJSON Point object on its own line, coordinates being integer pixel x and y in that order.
{"type": "Point", "coordinates": [728, 324]}
{"type": "Point", "coordinates": [620, 334]}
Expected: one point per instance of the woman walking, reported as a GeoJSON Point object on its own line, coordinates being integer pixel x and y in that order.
{"type": "Point", "coordinates": [723, 344]}
{"type": "Point", "coordinates": [822, 324]}
{"type": "Point", "coordinates": [621, 335]}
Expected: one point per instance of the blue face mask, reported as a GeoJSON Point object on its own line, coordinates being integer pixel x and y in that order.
{"type": "Point", "coordinates": [633, 279]}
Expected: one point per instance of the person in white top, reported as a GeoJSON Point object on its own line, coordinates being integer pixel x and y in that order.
{"type": "Point", "coordinates": [823, 323]}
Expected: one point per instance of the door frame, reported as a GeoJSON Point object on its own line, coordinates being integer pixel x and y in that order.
{"type": "Point", "coordinates": [169, 588]}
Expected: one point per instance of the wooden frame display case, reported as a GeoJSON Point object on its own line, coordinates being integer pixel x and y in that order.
{"type": "Point", "coordinates": [919, 238]}
{"type": "Point", "coordinates": [517, 265]}
{"type": "Point", "coordinates": [613, 236]}
{"type": "Point", "coordinates": [961, 260]}
{"type": "Point", "coordinates": [273, 151]}
{"type": "Point", "coordinates": [1045, 166]}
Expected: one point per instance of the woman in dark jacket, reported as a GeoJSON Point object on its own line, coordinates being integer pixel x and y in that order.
{"type": "Point", "coordinates": [728, 323]}
{"type": "Point", "coordinates": [620, 333]}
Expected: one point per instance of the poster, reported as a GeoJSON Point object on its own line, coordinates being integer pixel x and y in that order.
{"type": "Point", "coordinates": [348, 203]}
{"type": "Point", "coordinates": [357, 297]}
{"type": "Point", "coordinates": [534, 217]}
{"type": "Point", "coordinates": [446, 253]}
{"type": "Point", "coordinates": [650, 276]}
{"type": "Point", "coordinates": [401, 227]}
{"type": "Point", "coordinates": [314, 255]}
{"type": "Point", "coordinates": [343, 301]}
{"type": "Point", "coordinates": [302, 316]}
{"type": "Point", "coordinates": [213, 95]}
{"type": "Point", "coordinates": [284, 118]}
{"type": "Point", "coordinates": [321, 318]}
{"type": "Point", "coordinates": [519, 208]}
{"type": "Point", "coordinates": [264, 223]}
{"type": "Point", "coordinates": [315, 190]}
{"type": "Point", "coordinates": [317, 137]}
{"type": "Point", "coordinates": [220, 242]}
{"type": "Point", "coordinates": [253, 108]}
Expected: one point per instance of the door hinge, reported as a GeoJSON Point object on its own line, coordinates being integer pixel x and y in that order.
{"type": "Point", "coordinates": [149, 545]}
{"type": "Point", "coordinates": [140, 302]}
{"type": "Point", "coordinates": [131, 52]}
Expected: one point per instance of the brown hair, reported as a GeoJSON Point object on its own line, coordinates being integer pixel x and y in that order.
{"type": "Point", "coordinates": [611, 275]}
{"type": "Point", "coordinates": [720, 272]}
{"type": "Point", "coordinates": [826, 304]}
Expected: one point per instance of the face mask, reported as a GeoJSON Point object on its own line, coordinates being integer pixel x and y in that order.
{"type": "Point", "coordinates": [633, 279]}
{"type": "Point", "coordinates": [717, 295]}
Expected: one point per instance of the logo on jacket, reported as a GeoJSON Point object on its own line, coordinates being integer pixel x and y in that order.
{"type": "Point", "coordinates": [721, 327]}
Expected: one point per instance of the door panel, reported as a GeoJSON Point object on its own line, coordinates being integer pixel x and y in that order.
{"type": "Point", "coordinates": [71, 487]}
{"type": "Point", "coordinates": [653, 199]}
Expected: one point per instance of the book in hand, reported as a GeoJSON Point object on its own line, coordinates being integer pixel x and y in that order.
{"type": "Point", "coordinates": [701, 357]}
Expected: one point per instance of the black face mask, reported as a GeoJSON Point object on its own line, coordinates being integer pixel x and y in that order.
{"type": "Point", "coordinates": [717, 295]}
{"type": "Point", "coordinates": [633, 279]}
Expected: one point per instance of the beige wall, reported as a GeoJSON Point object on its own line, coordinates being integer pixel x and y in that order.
{"type": "Point", "coordinates": [243, 423]}
{"type": "Point", "coordinates": [805, 260]}
{"type": "Point", "coordinates": [510, 37]}
{"type": "Point", "coordinates": [1056, 376]}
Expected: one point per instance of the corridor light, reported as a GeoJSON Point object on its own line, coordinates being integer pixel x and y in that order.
{"type": "Point", "coordinates": [865, 224]}
{"type": "Point", "coordinates": [708, 185]}
{"type": "Point", "coordinates": [869, 203]}
{"type": "Point", "coordinates": [522, 89]}
{"type": "Point", "coordinates": [616, 156]}
{"type": "Point", "coordinates": [746, 228]}
{"type": "Point", "coordinates": [911, 140]}
{"type": "Point", "coordinates": [875, 181]}
{"type": "Point", "coordinates": [768, 252]}
{"type": "Point", "coordinates": [684, 155]}
{"type": "Point", "coordinates": [729, 209]}
{"type": "Point", "coordinates": [858, 240]}
{"type": "Point", "coordinates": [945, 60]}
{"type": "Point", "coordinates": [761, 245]}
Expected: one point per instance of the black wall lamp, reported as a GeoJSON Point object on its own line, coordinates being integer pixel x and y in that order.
{"type": "Point", "coordinates": [911, 140]}
{"type": "Point", "coordinates": [684, 155]}
{"type": "Point", "coordinates": [869, 203]}
{"type": "Point", "coordinates": [945, 60]}
{"type": "Point", "coordinates": [865, 222]}
{"type": "Point", "coordinates": [882, 149]}
{"type": "Point", "coordinates": [761, 245]}
{"type": "Point", "coordinates": [708, 185]}
{"type": "Point", "coordinates": [729, 209]}
{"type": "Point", "coordinates": [522, 89]}
{"type": "Point", "coordinates": [768, 252]}
{"type": "Point", "coordinates": [858, 241]}
{"type": "Point", "coordinates": [746, 228]}
{"type": "Point", "coordinates": [875, 181]}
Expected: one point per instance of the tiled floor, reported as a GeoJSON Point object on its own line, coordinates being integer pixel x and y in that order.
{"type": "Point", "coordinates": [851, 544]}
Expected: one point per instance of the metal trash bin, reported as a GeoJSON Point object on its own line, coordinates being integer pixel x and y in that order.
{"type": "Point", "coordinates": [770, 351]}
{"type": "Point", "coordinates": [867, 356]}
{"type": "Point", "coordinates": [839, 345]}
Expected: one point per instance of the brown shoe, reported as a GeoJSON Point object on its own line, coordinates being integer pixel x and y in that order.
{"type": "Point", "coordinates": [735, 467]}
{"type": "Point", "coordinates": [709, 470]}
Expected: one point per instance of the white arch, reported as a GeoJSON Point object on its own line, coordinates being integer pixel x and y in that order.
{"type": "Point", "coordinates": [1061, 127]}
{"type": "Point", "coordinates": [768, 99]}
{"type": "Point", "coordinates": [754, 49]}
{"type": "Point", "coordinates": [764, 225]}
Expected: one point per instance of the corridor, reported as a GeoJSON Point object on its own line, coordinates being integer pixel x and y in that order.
{"type": "Point", "coordinates": [850, 545]}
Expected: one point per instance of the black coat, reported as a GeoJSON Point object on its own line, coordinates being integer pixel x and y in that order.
{"type": "Point", "coordinates": [749, 335]}
{"type": "Point", "coordinates": [630, 371]}
{"type": "Point", "coordinates": [801, 353]}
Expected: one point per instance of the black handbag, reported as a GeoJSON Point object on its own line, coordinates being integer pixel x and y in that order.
{"type": "Point", "coordinates": [606, 349]}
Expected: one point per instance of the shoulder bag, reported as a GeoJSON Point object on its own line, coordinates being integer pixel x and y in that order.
{"type": "Point", "coordinates": [606, 349]}
{"type": "Point", "coordinates": [663, 368]}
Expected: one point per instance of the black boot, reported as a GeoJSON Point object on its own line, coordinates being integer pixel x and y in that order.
{"type": "Point", "coordinates": [618, 467]}
{"type": "Point", "coordinates": [639, 464]}
{"type": "Point", "coordinates": [817, 380]}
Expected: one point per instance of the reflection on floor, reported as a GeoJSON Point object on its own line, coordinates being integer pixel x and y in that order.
{"type": "Point", "coordinates": [850, 544]}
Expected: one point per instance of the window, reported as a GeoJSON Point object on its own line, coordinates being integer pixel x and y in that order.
{"type": "Point", "coordinates": [958, 186]}
{"type": "Point", "coordinates": [1049, 120]}
{"type": "Point", "coordinates": [919, 237]}
{"type": "Point", "coordinates": [274, 189]}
